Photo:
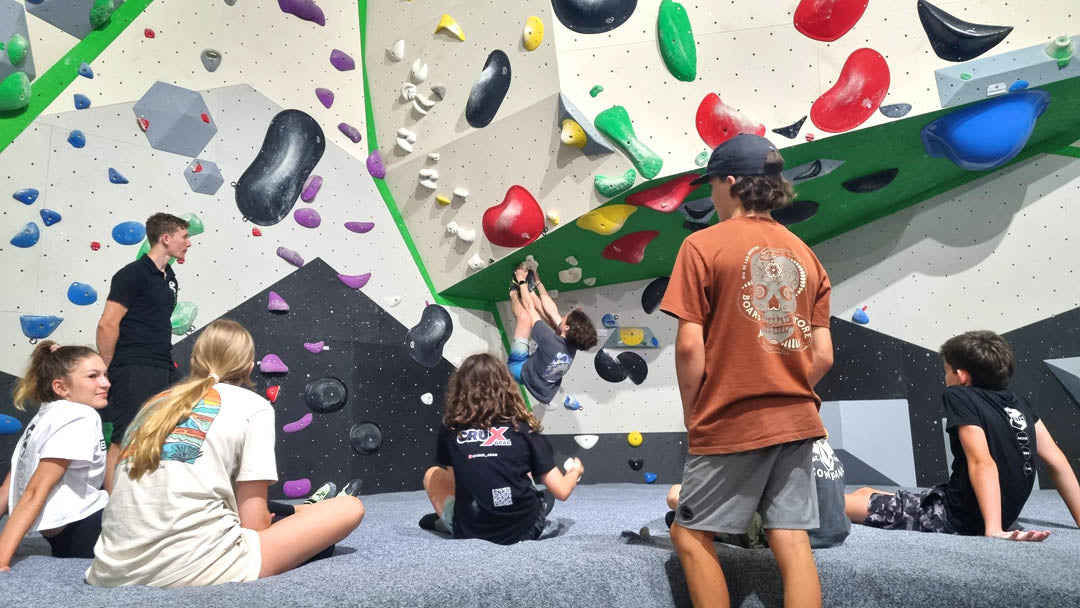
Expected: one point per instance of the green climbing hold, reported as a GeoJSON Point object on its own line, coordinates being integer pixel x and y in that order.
{"type": "Point", "coordinates": [17, 46]}
{"type": "Point", "coordinates": [614, 186]}
{"type": "Point", "coordinates": [614, 122]}
{"type": "Point", "coordinates": [596, 90]}
{"type": "Point", "coordinates": [145, 249]}
{"type": "Point", "coordinates": [1061, 49]}
{"type": "Point", "coordinates": [183, 317]}
{"type": "Point", "coordinates": [100, 13]}
{"type": "Point", "coordinates": [676, 41]}
{"type": "Point", "coordinates": [702, 158]}
{"type": "Point", "coordinates": [14, 92]}
{"type": "Point", "coordinates": [195, 224]}
{"type": "Point", "coordinates": [965, 76]}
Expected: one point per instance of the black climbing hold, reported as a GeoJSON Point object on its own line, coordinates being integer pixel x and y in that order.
{"type": "Point", "coordinates": [489, 90]}
{"type": "Point", "coordinates": [798, 211]}
{"type": "Point", "coordinates": [791, 131]}
{"type": "Point", "coordinates": [654, 294]}
{"type": "Point", "coordinates": [895, 110]}
{"type": "Point", "coordinates": [426, 339]}
{"type": "Point", "coordinates": [637, 463]}
{"type": "Point", "coordinates": [365, 438]}
{"type": "Point", "coordinates": [593, 16]}
{"type": "Point", "coordinates": [872, 182]}
{"type": "Point", "coordinates": [269, 187]}
{"type": "Point", "coordinates": [956, 40]}
{"type": "Point", "coordinates": [636, 367]}
{"type": "Point", "coordinates": [325, 395]}
{"type": "Point", "coordinates": [608, 367]}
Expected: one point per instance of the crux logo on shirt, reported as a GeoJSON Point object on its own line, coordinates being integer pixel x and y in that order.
{"type": "Point", "coordinates": [486, 438]}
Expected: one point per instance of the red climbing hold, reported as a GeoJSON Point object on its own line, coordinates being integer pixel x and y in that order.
{"type": "Point", "coordinates": [256, 232]}
{"type": "Point", "coordinates": [94, 245]}
{"type": "Point", "coordinates": [149, 33]}
{"type": "Point", "coordinates": [179, 260]}
{"type": "Point", "coordinates": [197, 168]}
{"type": "Point", "coordinates": [667, 196]}
{"type": "Point", "coordinates": [630, 248]}
{"type": "Point", "coordinates": [718, 122]}
{"type": "Point", "coordinates": [272, 392]}
{"type": "Point", "coordinates": [828, 20]}
{"type": "Point", "coordinates": [515, 222]}
{"type": "Point", "coordinates": [144, 124]}
{"type": "Point", "coordinates": [862, 85]}
{"type": "Point", "coordinates": [809, 137]}
{"type": "Point", "coordinates": [205, 118]}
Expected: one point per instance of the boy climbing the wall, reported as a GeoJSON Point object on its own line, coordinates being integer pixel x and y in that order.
{"type": "Point", "coordinates": [753, 307]}
{"type": "Point", "coordinates": [134, 335]}
{"type": "Point", "coordinates": [997, 441]}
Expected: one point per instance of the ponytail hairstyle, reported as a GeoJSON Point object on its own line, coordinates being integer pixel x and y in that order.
{"type": "Point", "coordinates": [48, 362]}
{"type": "Point", "coordinates": [224, 352]}
{"type": "Point", "coordinates": [481, 392]}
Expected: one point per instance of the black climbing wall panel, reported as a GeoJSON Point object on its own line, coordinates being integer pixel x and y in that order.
{"type": "Point", "coordinates": [7, 406]}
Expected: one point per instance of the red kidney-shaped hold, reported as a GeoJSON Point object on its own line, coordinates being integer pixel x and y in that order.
{"type": "Point", "coordinates": [828, 20]}
{"type": "Point", "coordinates": [630, 248]}
{"type": "Point", "coordinates": [718, 122]}
{"type": "Point", "coordinates": [667, 196]}
{"type": "Point", "coordinates": [515, 222]}
{"type": "Point", "coordinates": [862, 85]}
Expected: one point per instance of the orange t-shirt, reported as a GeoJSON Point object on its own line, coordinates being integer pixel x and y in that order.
{"type": "Point", "coordinates": [757, 290]}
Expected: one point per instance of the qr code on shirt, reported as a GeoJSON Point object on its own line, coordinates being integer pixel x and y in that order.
{"type": "Point", "coordinates": [502, 497]}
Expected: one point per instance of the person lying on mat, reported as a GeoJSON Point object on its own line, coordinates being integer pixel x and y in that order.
{"type": "Point", "coordinates": [997, 442]}
{"type": "Point", "coordinates": [489, 451]}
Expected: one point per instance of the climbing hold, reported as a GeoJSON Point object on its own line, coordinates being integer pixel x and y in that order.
{"type": "Point", "coordinates": [587, 442]}
{"type": "Point", "coordinates": [610, 320]}
{"type": "Point", "coordinates": [986, 135]}
{"type": "Point", "coordinates": [573, 261]}
{"type": "Point", "coordinates": [392, 301]}
{"type": "Point", "coordinates": [396, 51]}
{"type": "Point", "coordinates": [49, 217]}
{"type": "Point", "coordinates": [304, 9]}
{"type": "Point", "coordinates": [636, 367]}
{"type": "Point", "coordinates": [149, 33]}
{"type": "Point", "coordinates": [572, 134]}
{"type": "Point", "coordinates": [256, 232]}
{"type": "Point", "coordinates": [812, 170]}
{"type": "Point", "coordinates": [296, 488]}
{"type": "Point", "coordinates": [606, 220]}
{"type": "Point", "coordinates": [654, 294]}
{"type": "Point", "coordinates": [571, 403]}
{"type": "Point", "coordinates": [100, 11]}
{"type": "Point", "coordinates": [476, 262]}
{"type": "Point", "coordinates": [9, 425]}
{"type": "Point", "coordinates": [433, 157]}
{"type": "Point", "coordinates": [325, 395]}
{"type": "Point", "coordinates": [872, 182]}
{"type": "Point", "coordinates": [614, 122]}
{"type": "Point", "coordinates": [791, 131]}
{"type": "Point", "coordinates": [314, 182]}
{"type": "Point", "coordinates": [39, 327]}
{"type": "Point", "coordinates": [798, 211]}
{"type": "Point", "coordinates": [144, 124]}
{"type": "Point", "coordinates": [448, 23]}
{"type": "Point", "coordinates": [488, 91]}
{"type": "Point", "coordinates": [438, 91]}
{"type": "Point", "coordinates": [375, 165]}
{"type": "Point", "coordinates": [427, 338]}
{"type": "Point", "coordinates": [299, 425]}
{"type": "Point", "coordinates": [442, 199]}
{"type": "Point", "coordinates": [94, 245]}
{"type": "Point", "coordinates": [325, 97]}
{"type": "Point", "coordinates": [290, 256]}
{"type": "Point", "coordinates": [676, 40]}
{"type": "Point", "coordinates": [268, 188]}
{"type": "Point", "coordinates": [81, 101]}
{"type": "Point", "coordinates": [516, 221]}
{"type": "Point", "coordinates": [595, 143]}
{"type": "Point", "coordinates": [276, 303]}
{"type": "Point", "coordinates": [650, 477]}
{"type": "Point", "coordinates": [608, 368]}
{"type": "Point", "coordinates": [828, 20]}
{"type": "Point", "coordinates": [354, 281]}
{"type": "Point", "coordinates": [467, 235]}
{"type": "Point", "coordinates": [1019, 85]}
{"type": "Point", "coordinates": [570, 276]}
{"type": "Point", "coordinates": [553, 216]}
{"type": "Point", "coordinates": [272, 364]}
{"type": "Point", "coordinates": [211, 59]}
{"type": "Point", "coordinates": [532, 34]}
{"type": "Point", "coordinates": [418, 72]}
{"type": "Point", "coordinates": [954, 39]}
{"type": "Point", "coordinates": [589, 281]}
{"type": "Point", "coordinates": [315, 347]}
{"type": "Point", "coordinates": [359, 227]}
{"type": "Point", "coordinates": [698, 212]}
{"type": "Point", "coordinates": [860, 316]}
{"type": "Point", "coordinates": [14, 92]}
{"type": "Point", "coordinates": [862, 84]}
{"type": "Point", "coordinates": [272, 393]}
{"type": "Point", "coordinates": [667, 196]}
{"type": "Point", "coordinates": [342, 61]}
{"type": "Point", "coordinates": [85, 71]}
{"type": "Point", "coordinates": [636, 463]}
{"type": "Point", "coordinates": [77, 139]}
{"type": "Point", "coordinates": [635, 439]}
{"type": "Point", "coordinates": [427, 398]}
{"type": "Point", "coordinates": [895, 110]}
{"type": "Point", "coordinates": [17, 46]}
{"type": "Point", "coordinates": [405, 139]}
{"type": "Point", "coordinates": [350, 131]}
{"type": "Point", "coordinates": [128, 233]}
{"type": "Point", "coordinates": [614, 186]}
{"type": "Point", "coordinates": [116, 178]}
{"type": "Point", "coordinates": [630, 248]}
{"type": "Point", "coordinates": [593, 16]}
{"type": "Point", "coordinates": [203, 176]}
{"type": "Point", "coordinates": [26, 196]}
{"type": "Point", "coordinates": [183, 317]}
{"type": "Point", "coordinates": [452, 228]}
{"type": "Point", "coordinates": [365, 438]}
{"type": "Point", "coordinates": [718, 122]}
{"type": "Point", "coordinates": [1061, 49]}
{"type": "Point", "coordinates": [595, 90]}
{"type": "Point", "coordinates": [27, 237]}
{"type": "Point", "coordinates": [429, 178]}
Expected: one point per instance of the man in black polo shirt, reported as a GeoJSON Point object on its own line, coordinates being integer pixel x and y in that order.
{"type": "Point", "coordinates": [134, 335]}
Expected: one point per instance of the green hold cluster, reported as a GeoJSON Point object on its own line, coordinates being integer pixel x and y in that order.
{"type": "Point", "coordinates": [17, 46]}
{"type": "Point", "coordinates": [614, 186]}
{"type": "Point", "coordinates": [100, 13]}
{"type": "Point", "coordinates": [676, 40]}
{"type": "Point", "coordinates": [14, 92]}
{"type": "Point", "coordinates": [183, 317]}
{"type": "Point", "coordinates": [614, 122]}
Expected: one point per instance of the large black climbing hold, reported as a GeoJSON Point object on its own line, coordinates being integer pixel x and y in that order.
{"type": "Point", "coordinates": [608, 367]}
{"type": "Point", "coordinates": [593, 16]}
{"type": "Point", "coordinates": [636, 463]}
{"type": "Point", "coordinates": [956, 40]}
{"type": "Point", "coordinates": [365, 438]}
{"type": "Point", "coordinates": [637, 369]}
{"type": "Point", "coordinates": [426, 338]}
{"type": "Point", "coordinates": [654, 294]}
{"type": "Point", "coordinates": [796, 212]}
{"type": "Point", "coordinates": [269, 187]}
{"type": "Point", "coordinates": [325, 395]}
{"type": "Point", "coordinates": [791, 131]}
{"type": "Point", "coordinates": [872, 182]}
{"type": "Point", "coordinates": [489, 90]}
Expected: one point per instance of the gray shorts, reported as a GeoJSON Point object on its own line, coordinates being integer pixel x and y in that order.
{"type": "Point", "coordinates": [721, 492]}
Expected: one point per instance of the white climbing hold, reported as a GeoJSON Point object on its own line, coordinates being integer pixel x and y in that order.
{"type": "Point", "coordinates": [590, 281]}
{"type": "Point", "coordinates": [405, 139]}
{"type": "Point", "coordinates": [419, 109]}
{"type": "Point", "coordinates": [418, 72]}
{"type": "Point", "coordinates": [392, 300]}
{"type": "Point", "coordinates": [396, 51]}
{"type": "Point", "coordinates": [476, 262]}
{"type": "Point", "coordinates": [408, 91]}
{"type": "Point", "coordinates": [427, 398]}
{"type": "Point", "coordinates": [553, 216]}
{"type": "Point", "coordinates": [452, 228]}
{"type": "Point", "coordinates": [571, 260]}
{"type": "Point", "coordinates": [424, 102]}
{"type": "Point", "coordinates": [461, 193]}
{"type": "Point", "coordinates": [570, 275]}
{"type": "Point", "coordinates": [433, 157]}
{"type": "Point", "coordinates": [586, 441]}
{"type": "Point", "coordinates": [530, 263]}
{"type": "Point", "coordinates": [429, 178]}
{"type": "Point", "coordinates": [467, 234]}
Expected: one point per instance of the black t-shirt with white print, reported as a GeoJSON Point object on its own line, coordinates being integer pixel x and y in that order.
{"type": "Point", "coordinates": [150, 296]}
{"type": "Point", "coordinates": [495, 500]}
{"type": "Point", "coordinates": [1009, 424]}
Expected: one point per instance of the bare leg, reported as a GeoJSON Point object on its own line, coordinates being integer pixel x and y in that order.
{"type": "Point", "coordinates": [295, 539]}
{"type": "Point", "coordinates": [550, 310]}
{"type": "Point", "coordinates": [112, 458]}
{"type": "Point", "coordinates": [857, 504]}
{"type": "Point", "coordinates": [802, 587]}
{"type": "Point", "coordinates": [439, 484]}
{"type": "Point", "coordinates": [673, 496]}
{"type": "Point", "coordinates": [704, 577]}
{"type": "Point", "coordinates": [523, 313]}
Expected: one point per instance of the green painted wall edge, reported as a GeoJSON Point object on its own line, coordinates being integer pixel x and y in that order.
{"type": "Point", "coordinates": [48, 86]}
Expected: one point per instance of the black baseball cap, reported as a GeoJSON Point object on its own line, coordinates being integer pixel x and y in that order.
{"type": "Point", "coordinates": [741, 155]}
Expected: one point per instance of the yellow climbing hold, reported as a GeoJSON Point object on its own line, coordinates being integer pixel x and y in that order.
{"type": "Point", "coordinates": [451, 25]}
{"type": "Point", "coordinates": [635, 439]}
{"type": "Point", "coordinates": [606, 220]}
{"type": "Point", "coordinates": [631, 336]}
{"type": "Point", "coordinates": [442, 199]}
{"type": "Point", "coordinates": [533, 34]}
{"type": "Point", "coordinates": [553, 216]}
{"type": "Point", "coordinates": [573, 134]}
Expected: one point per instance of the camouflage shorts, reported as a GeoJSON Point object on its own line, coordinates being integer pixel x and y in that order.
{"type": "Point", "coordinates": [922, 511]}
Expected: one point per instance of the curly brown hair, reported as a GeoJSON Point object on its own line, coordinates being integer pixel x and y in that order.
{"type": "Point", "coordinates": [764, 192]}
{"type": "Point", "coordinates": [581, 333]}
{"type": "Point", "coordinates": [481, 393]}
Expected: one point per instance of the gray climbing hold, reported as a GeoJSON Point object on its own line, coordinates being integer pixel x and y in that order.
{"type": "Point", "coordinates": [71, 16]}
{"type": "Point", "coordinates": [812, 170]}
{"type": "Point", "coordinates": [269, 187]}
{"type": "Point", "coordinates": [211, 59]}
{"type": "Point", "coordinates": [13, 23]}
{"type": "Point", "coordinates": [895, 110]}
{"type": "Point", "coordinates": [326, 395]}
{"type": "Point", "coordinates": [179, 121]}
{"type": "Point", "coordinates": [203, 176]}
{"type": "Point", "coordinates": [597, 144]}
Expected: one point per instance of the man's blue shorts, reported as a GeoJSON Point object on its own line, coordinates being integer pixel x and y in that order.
{"type": "Point", "coordinates": [519, 354]}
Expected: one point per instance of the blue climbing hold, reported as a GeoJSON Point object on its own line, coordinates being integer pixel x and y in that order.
{"type": "Point", "coordinates": [128, 233]}
{"type": "Point", "coordinates": [9, 425]}
{"type": "Point", "coordinates": [650, 477]}
{"type": "Point", "coordinates": [81, 101]}
{"type": "Point", "coordinates": [860, 316]}
{"type": "Point", "coordinates": [571, 403]}
{"type": "Point", "coordinates": [988, 134]}
{"type": "Point", "coordinates": [27, 237]}
{"type": "Point", "coordinates": [1019, 85]}
{"type": "Point", "coordinates": [85, 71]}
{"type": "Point", "coordinates": [49, 217]}
{"type": "Point", "coordinates": [116, 178]}
{"type": "Point", "coordinates": [77, 139]}
{"type": "Point", "coordinates": [609, 320]}
{"type": "Point", "coordinates": [39, 327]}
{"type": "Point", "coordinates": [26, 196]}
{"type": "Point", "coordinates": [81, 294]}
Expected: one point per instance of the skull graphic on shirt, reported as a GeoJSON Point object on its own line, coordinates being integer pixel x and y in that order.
{"type": "Point", "coordinates": [773, 279]}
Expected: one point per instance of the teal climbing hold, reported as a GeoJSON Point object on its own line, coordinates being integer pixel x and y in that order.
{"type": "Point", "coordinates": [77, 139]}
{"type": "Point", "coordinates": [183, 317]}
{"type": "Point", "coordinates": [702, 158]}
{"type": "Point", "coordinates": [676, 40]}
{"type": "Point", "coordinates": [128, 233]}
{"type": "Point", "coordinates": [614, 186]}
{"type": "Point", "coordinates": [81, 101]}
{"type": "Point", "coordinates": [81, 294]}
{"type": "Point", "coordinates": [27, 237]}
{"type": "Point", "coordinates": [116, 178]}
{"type": "Point", "coordinates": [49, 217]}
{"type": "Point", "coordinates": [614, 122]}
{"type": "Point", "coordinates": [26, 196]}
{"type": "Point", "coordinates": [39, 327]}
{"type": "Point", "coordinates": [85, 71]}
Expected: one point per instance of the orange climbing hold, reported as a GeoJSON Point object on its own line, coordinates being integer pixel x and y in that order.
{"type": "Point", "coordinates": [828, 20]}
{"type": "Point", "coordinates": [718, 122]}
{"type": "Point", "coordinates": [667, 196]}
{"type": "Point", "coordinates": [859, 90]}
{"type": "Point", "coordinates": [630, 248]}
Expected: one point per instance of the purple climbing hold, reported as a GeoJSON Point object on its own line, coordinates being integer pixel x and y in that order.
{"type": "Point", "coordinates": [326, 97]}
{"type": "Point", "coordinates": [308, 218]}
{"type": "Point", "coordinates": [314, 347]}
{"type": "Point", "coordinates": [304, 9]}
{"type": "Point", "coordinates": [311, 189]}
{"type": "Point", "coordinates": [375, 165]}
{"type": "Point", "coordinates": [354, 281]}
{"type": "Point", "coordinates": [272, 364]}
{"type": "Point", "coordinates": [350, 131]}
{"type": "Point", "coordinates": [296, 488]}
{"type": "Point", "coordinates": [342, 60]}
{"type": "Point", "coordinates": [277, 303]}
{"type": "Point", "coordinates": [290, 256]}
{"type": "Point", "coordinates": [299, 425]}
{"type": "Point", "coordinates": [359, 227]}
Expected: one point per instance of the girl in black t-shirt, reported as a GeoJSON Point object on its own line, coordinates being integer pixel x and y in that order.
{"type": "Point", "coordinates": [489, 452]}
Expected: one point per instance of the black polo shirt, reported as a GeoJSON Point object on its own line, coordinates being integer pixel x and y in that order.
{"type": "Point", "coordinates": [146, 330]}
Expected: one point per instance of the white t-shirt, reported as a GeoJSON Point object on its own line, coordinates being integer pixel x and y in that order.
{"type": "Point", "coordinates": [179, 525]}
{"type": "Point", "coordinates": [71, 431]}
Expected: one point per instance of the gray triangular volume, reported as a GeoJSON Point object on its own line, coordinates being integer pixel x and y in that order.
{"type": "Point", "coordinates": [1067, 371]}
{"type": "Point", "coordinates": [597, 144]}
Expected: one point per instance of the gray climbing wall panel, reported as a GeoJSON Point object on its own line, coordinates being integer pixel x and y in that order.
{"type": "Point", "coordinates": [992, 75]}
{"type": "Point", "coordinates": [203, 176]}
{"type": "Point", "coordinates": [71, 16]}
{"type": "Point", "coordinates": [12, 22]}
{"type": "Point", "coordinates": [177, 119]}
{"type": "Point", "coordinates": [877, 433]}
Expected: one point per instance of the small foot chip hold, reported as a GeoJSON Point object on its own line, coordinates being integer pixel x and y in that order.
{"type": "Point", "coordinates": [895, 110]}
{"type": "Point", "coordinates": [272, 393]}
{"type": "Point", "coordinates": [650, 477]}
{"type": "Point", "coordinates": [466, 234]}
{"type": "Point", "coordinates": [299, 425]}
{"type": "Point", "coordinates": [571, 403]}
{"type": "Point", "coordinates": [272, 364]}
{"type": "Point", "coordinates": [396, 52]}
{"type": "Point", "coordinates": [315, 347]}
{"type": "Point", "coordinates": [449, 24]}
{"type": "Point", "coordinates": [476, 262]}
{"type": "Point", "coordinates": [354, 281]}
{"type": "Point", "coordinates": [342, 61]}
{"type": "Point", "coordinates": [442, 199]}
{"type": "Point", "coordinates": [85, 70]}
{"type": "Point", "coordinates": [587, 442]}
{"type": "Point", "coordinates": [276, 303]}
{"type": "Point", "coordinates": [589, 281]}
{"type": "Point", "coordinates": [462, 193]}
{"type": "Point", "coordinates": [290, 256]}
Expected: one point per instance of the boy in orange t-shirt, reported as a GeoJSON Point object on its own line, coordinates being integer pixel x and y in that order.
{"type": "Point", "coordinates": [753, 307]}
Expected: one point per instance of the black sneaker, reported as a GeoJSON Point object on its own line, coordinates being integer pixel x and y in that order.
{"type": "Point", "coordinates": [427, 522]}
{"type": "Point", "coordinates": [352, 488]}
{"type": "Point", "coordinates": [669, 519]}
{"type": "Point", "coordinates": [548, 501]}
{"type": "Point", "coordinates": [530, 277]}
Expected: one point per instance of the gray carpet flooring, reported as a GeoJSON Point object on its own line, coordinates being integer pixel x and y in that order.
{"type": "Point", "coordinates": [597, 558]}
